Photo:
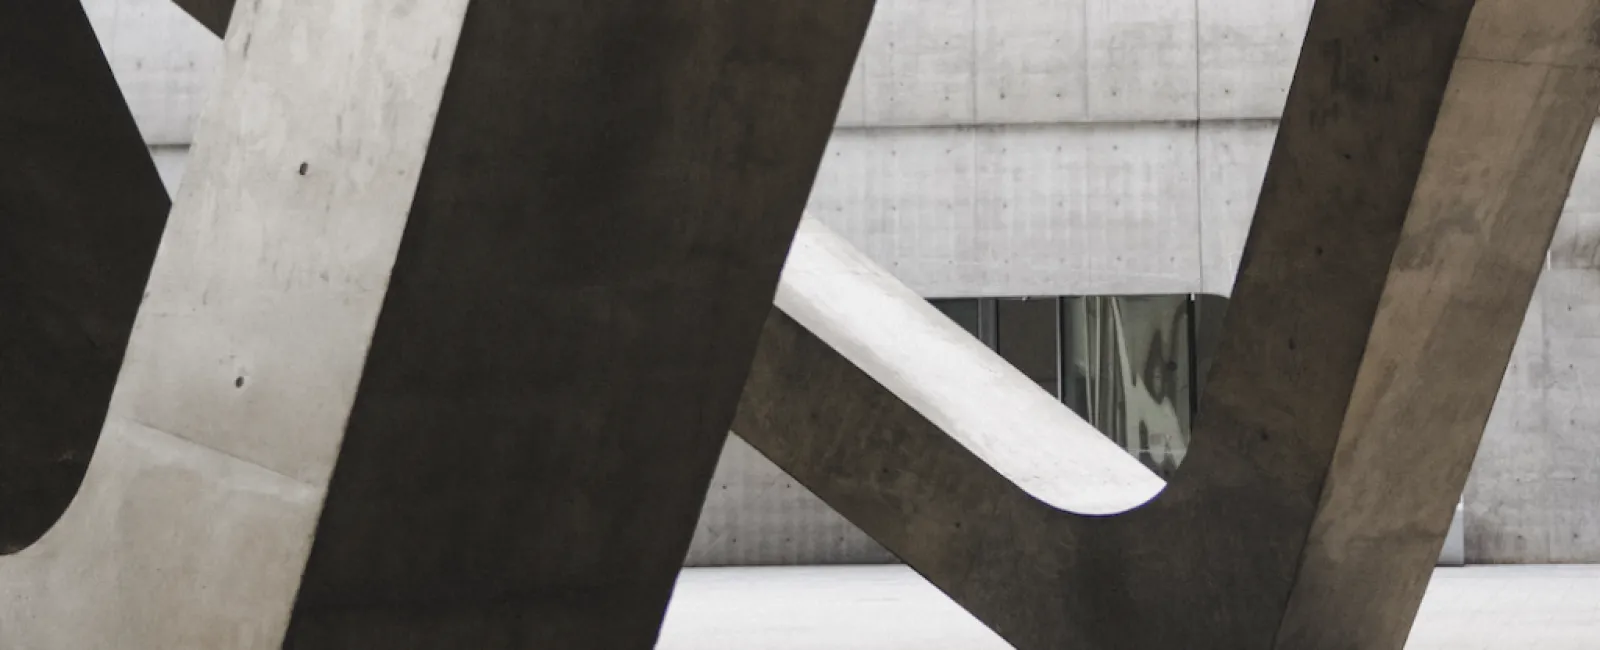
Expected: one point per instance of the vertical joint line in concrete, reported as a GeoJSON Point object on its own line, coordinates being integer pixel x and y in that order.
{"type": "Point", "coordinates": [1088, 51]}
{"type": "Point", "coordinates": [1199, 166]}
{"type": "Point", "coordinates": [973, 46]}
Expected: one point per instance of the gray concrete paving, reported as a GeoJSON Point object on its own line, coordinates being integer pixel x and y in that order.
{"type": "Point", "coordinates": [891, 608]}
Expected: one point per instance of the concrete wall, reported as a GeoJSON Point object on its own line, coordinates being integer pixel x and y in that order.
{"type": "Point", "coordinates": [1044, 147]}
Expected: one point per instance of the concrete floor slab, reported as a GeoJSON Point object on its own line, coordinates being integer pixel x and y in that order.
{"type": "Point", "coordinates": [892, 608]}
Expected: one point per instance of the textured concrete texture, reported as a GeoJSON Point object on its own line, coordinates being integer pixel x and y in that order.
{"type": "Point", "coordinates": [164, 60]}
{"type": "Point", "coordinates": [924, 62]}
{"type": "Point", "coordinates": [1535, 485]}
{"type": "Point", "coordinates": [333, 428]}
{"type": "Point", "coordinates": [1417, 178]}
{"type": "Point", "coordinates": [757, 515]}
{"type": "Point", "coordinates": [81, 213]}
{"type": "Point", "coordinates": [1021, 210]}
{"type": "Point", "coordinates": [892, 608]}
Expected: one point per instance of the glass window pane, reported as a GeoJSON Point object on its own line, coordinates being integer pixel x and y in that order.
{"type": "Point", "coordinates": [1130, 372]}
{"type": "Point", "coordinates": [1026, 336]}
{"type": "Point", "coordinates": [964, 311]}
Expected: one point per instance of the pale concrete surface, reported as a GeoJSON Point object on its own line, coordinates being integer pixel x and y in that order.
{"type": "Point", "coordinates": [164, 60]}
{"type": "Point", "coordinates": [925, 62]}
{"type": "Point", "coordinates": [1247, 53]}
{"type": "Point", "coordinates": [892, 608]}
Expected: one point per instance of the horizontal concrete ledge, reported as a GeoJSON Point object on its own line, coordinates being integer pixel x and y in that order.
{"type": "Point", "coordinates": [959, 385]}
{"type": "Point", "coordinates": [1046, 124]}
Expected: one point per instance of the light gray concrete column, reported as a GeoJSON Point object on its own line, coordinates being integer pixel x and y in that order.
{"type": "Point", "coordinates": [1421, 165]}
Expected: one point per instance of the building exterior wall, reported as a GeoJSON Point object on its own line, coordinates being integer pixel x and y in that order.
{"type": "Point", "coordinates": [1064, 147]}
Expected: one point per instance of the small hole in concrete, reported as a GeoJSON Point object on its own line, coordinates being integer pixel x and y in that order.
{"type": "Point", "coordinates": [304, 167]}
{"type": "Point", "coordinates": [238, 382]}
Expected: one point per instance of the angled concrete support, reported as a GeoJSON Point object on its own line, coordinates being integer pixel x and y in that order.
{"type": "Point", "coordinates": [446, 329]}
{"type": "Point", "coordinates": [1422, 161]}
{"type": "Point", "coordinates": [214, 14]}
{"type": "Point", "coordinates": [81, 212]}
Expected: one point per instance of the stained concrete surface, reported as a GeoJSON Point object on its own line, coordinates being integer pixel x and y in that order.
{"type": "Point", "coordinates": [938, 62]}
{"type": "Point", "coordinates": [892, 608]}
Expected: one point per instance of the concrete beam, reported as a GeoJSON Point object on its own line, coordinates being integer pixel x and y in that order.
{"type": "Point", "coordinates": [81, 213]}
{"type": "Point", "coordinates": [214, 14]}
{"type": "Point", "coordinates": [1421, 165]}
{"type": "Point", "coordinates": [457, 299]}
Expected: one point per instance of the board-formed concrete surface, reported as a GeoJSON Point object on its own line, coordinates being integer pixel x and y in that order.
{"type": "Point", "coordinates": [418, 361]}
{"type": "Point", "coordinates": [1423, 160]}
{"type": "Point", "coordinates": [892, 608]}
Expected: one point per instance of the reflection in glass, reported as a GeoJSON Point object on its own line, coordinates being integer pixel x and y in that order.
{"type": "Point", "coordinates": [1130, 365]}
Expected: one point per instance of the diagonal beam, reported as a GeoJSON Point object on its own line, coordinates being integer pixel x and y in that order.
{"type": "Point", "coordinates": [333, 428]}
{"type": "Point", "coordinates": [622, 181]}
{"type": "Point", "coordinates": [81, 212]}
{"type": "Point", "coordinates": [214, 14]}
{"type": "Point", "coordinates": [1421, 164]}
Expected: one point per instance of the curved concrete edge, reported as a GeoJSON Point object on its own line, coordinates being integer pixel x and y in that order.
{"type": "Point", "coordinates": [81, 215]}
{"type": "Point", "coordinates": [966, 390]}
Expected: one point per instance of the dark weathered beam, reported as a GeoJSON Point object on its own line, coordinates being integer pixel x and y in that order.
{"type": "Point", "coordinates": [609, 194]}
{"type": "Point", "coordinates": [81, 212]}
{"type": "Point", "coordinates": [1421, 164]}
